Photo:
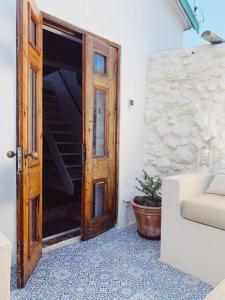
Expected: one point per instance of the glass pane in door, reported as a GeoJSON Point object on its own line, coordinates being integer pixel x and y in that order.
{"type": "Point", "coordinates": [33, 219]}
{"type": "Point", "coordinates": [99, 193]}
{"type": "Point", "coordinates": [99, 124]}
{"type": "Point", "coordinates": [99, 63]}
{"type": "Point", "coordinates": [33, 31]}
{"type": "Point", "coordinates": [32, 111]}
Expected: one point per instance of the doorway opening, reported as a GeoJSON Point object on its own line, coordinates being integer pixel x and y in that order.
{"type": "Point", "coordinates": [62, 134]}
{"type": "Point", "coordinates": [77, 165]}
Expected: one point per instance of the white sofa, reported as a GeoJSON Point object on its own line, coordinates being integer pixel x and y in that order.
{"type": "Point", "coordinates": [218, 293]}
{"type": "Point", "coordinates": [195, 248]}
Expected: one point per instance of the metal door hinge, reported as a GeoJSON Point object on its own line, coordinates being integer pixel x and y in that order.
{"type": "Point", "coordinates": [18, 43]}
{"type": "Point", "coordinates": [19, 159]}
{"type": "Point", "coordinates": [115, 68]}
{"type": "Point", "coordinates": [83, 153]}
{"type": "Point", "coordinates": [115, 106]}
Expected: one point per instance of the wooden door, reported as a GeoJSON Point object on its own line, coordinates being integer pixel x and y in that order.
{"type": "Point", "coordinates": [99, 128]}
{"type": "Point", "coordinates": [29, 154]}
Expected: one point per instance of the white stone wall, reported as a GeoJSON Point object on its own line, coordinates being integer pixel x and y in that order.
{"type": "Point", "coordinates": [185, 106]}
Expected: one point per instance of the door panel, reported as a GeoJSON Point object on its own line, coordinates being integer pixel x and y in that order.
{"type": "Point", "coordinates": [99, 115]}
{"type": "Point", "coordinates": [29, 139]}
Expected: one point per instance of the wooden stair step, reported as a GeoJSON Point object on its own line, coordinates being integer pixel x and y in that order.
{"type": "Point", "coordinates": [77, 178]}
{"type": "Point", "coordinates": [48, 156]}
{"type": "Point", "coordinates": [53, 104]}
{"type": "Point", "coordinates": [61, 211]}
{"type": "Point", "coordinates": [73, 165]}
{"type": "Point", "coordinates": [69, 153]}
{"type": "Point", "coordinates": [58, 122]}
{"type": "Point", "coordinates": [53, 113]}
{"type": "Point", "coordinates": [68, 166]}
{"type": "Point", "coordinates": [49, 96]}
{"type": "Point", "coordinates": [47, 101]}
{"type": "Point", "coordinates": [54, 181]}
{"type": "Point", "coordinates": [68, 143]}
{"type": "Point", "coordinates": [53, 185]}
{"type": "Point", "coordinates": [63, 131]}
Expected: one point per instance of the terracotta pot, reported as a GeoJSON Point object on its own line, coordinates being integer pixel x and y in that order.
{"type": "Point", "coordinates": [148, 220]}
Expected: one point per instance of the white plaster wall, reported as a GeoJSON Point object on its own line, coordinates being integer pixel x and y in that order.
{"type": "Point", "coordinates": [8, 120]}
{"type": "Point", "coordinates": [185, 106]}
{"type": "Point", "coordinates": [140, 27]}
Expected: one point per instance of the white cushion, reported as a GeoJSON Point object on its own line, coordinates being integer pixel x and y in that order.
{"type": "Point", "coordinates": [208, 209]}
{"type": "Point", "coordinates": [217, 185]}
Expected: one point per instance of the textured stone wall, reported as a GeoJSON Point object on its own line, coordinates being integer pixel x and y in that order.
{"type": "Point", "coordinates": [185, 106]}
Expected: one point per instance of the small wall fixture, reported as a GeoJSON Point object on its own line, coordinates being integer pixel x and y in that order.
{"type": "Point", "coordinates": [212, 37]}
{"type": "Point", "coordinates": [130, 102]}
{"type": "Point", "coordinates": [127, 202]}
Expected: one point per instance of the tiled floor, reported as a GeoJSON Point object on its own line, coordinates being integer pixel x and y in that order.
{"type": "Point", "coordinates": [118, 264]}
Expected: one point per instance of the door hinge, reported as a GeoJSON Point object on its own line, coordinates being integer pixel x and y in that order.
{"type": "Point", "coordinates": [18, 43]}
{"type": "Point", "coordinates": [115, 68]}
{"type": "Point", "coordinates": [19, 159]}
{"type": "Point", "coordinates": [83, 153]}
{"type": "Point", "coordinates": [115, 106]}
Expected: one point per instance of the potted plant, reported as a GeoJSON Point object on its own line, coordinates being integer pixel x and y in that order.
{"type": "Point", "coordinates": [147, 208]}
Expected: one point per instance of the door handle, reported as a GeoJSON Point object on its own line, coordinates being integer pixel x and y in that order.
{"type": "Point", "coordinates": [10, 154]}
{"type": "Point", "coordinates": [33, 155]}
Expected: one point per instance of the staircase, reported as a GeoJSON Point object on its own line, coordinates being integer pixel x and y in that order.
{"type": "Point", "coordinates": [62, 136]}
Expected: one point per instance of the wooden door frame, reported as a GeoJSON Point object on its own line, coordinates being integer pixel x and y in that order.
{"type": "Point", "coordinates": [63, 26]}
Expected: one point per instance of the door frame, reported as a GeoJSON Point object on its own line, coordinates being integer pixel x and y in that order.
{"type": "Point", "coordinates": [62, 25]}
{"type": "Point", "coordinates": [59, 24]}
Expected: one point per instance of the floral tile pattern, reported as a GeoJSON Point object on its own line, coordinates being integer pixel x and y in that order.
{"type": "Point", "coordinates": [116, 265]}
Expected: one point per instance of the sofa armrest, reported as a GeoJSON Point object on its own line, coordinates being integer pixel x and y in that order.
{"type": "Point", "coordinates": [188, 185]}
{"type": "Point", "coordinates": [180, 187]}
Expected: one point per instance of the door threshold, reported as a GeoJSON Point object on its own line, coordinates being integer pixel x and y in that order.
{"type": "Point", "coordinates": [61, 237]}
{"type": "Point", "coordinates": [49, 247]}
{"type": "Point", "coordinates": [60, 234]}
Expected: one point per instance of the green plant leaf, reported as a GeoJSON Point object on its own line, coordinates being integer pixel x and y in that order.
{"type": "Point", "coordinates": [150, 186]}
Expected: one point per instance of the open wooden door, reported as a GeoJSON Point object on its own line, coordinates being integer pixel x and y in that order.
{"type": "Point", "coordinates": [29, 151]}
{"type": "Point", "coordinates": [99, 128]}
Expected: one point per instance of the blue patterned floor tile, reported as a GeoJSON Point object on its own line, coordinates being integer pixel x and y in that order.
{"type": "Point", "coordinates": [116, 265]}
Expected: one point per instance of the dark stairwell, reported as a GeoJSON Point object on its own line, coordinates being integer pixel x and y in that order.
{"type": "Point", "coordinates": [62, 146]}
